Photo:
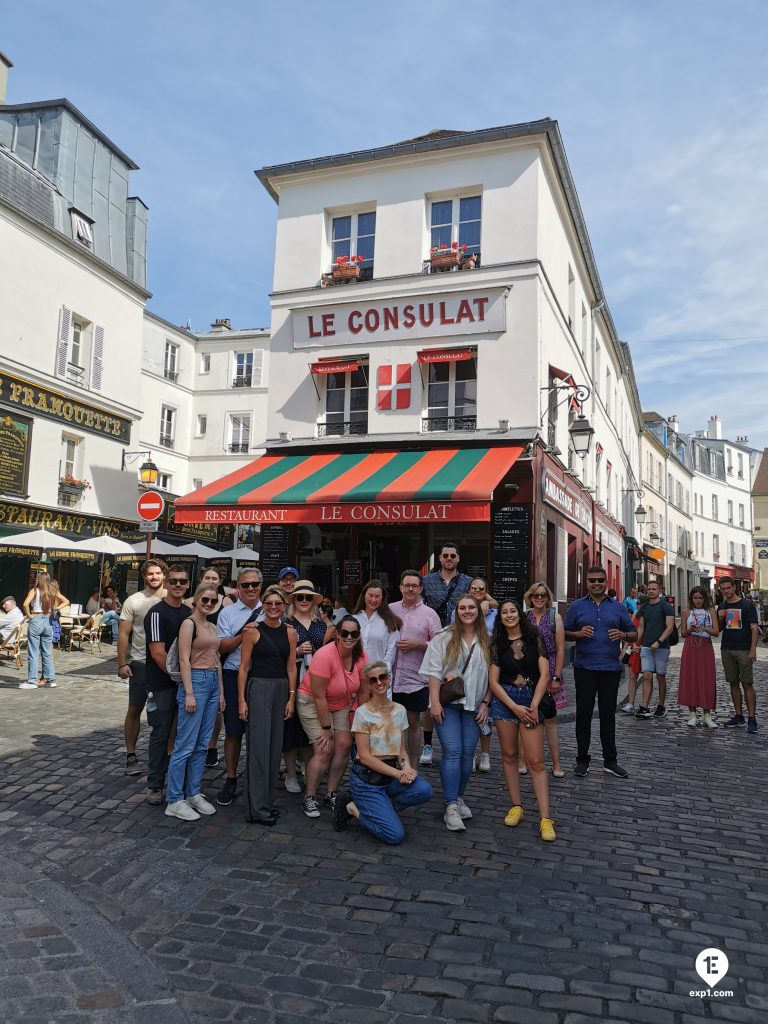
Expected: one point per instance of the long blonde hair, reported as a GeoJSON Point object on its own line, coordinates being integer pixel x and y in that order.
{"type": "Point", "coordinates": [48, 590]}
{"type": "Point", "coordinates": [453, 652]}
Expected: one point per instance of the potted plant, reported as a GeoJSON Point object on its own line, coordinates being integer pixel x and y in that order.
{"type": "Point", "coordinates": [346, 268]}
{"type": "Point", "coordinates": [446, 257]}
{"type": "Point", "coordinates": [69, 484]}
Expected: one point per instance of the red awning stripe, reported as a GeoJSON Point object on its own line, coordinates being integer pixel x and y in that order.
{"type": "Point", "coordinates": [348, 480]}
{"type": "Point", "coordinates": [304, 469]}
{"type": "Point", "coordinates": [445, 355]}
{"type": "Point", "coordinates": [485, 476]}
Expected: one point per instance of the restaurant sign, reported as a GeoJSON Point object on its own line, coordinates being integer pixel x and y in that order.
{"type": "Point", "coordinates": [15, 442]}
{"type": "Point", "coordinates": [392, 512]}
{"type": "Point", "coordinates": [77, 524]}
{"type": "Point", "coordinates": [29, 397]}
{"type": "Point", "coordinates": [197, 531]}
{"type": "Point", "coordinates": [557, 494]}
{"type": "Point", "coordinates": [408, 318]}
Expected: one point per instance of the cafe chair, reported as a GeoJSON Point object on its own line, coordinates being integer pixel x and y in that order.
{"type": "Point", "coordinates": [11, 648]}
{"type": "Point", "coordinates": [89, 633]}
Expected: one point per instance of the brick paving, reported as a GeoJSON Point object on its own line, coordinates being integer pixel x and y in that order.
{"type": "Point", "coordinates": [112, 912]}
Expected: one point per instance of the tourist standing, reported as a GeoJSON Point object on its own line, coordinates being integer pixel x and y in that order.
{"type": "Point", "coordinates": [39, 605]}
{"type": "Point", "coordinates": [544, 616]}
{"type": "Point", "coordinates": [379, 627]}
{"type": "Point", "coordinates": [697, 685]}
{"type": "Point", "coordinates": [657, 621]}
{"type": "Point", "coordinates": [738, 651]}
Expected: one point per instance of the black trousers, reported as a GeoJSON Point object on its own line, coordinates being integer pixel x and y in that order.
{"type": "Point", "coordinates": [161, 720]}
{"type": "Point", "coordinates": [604, 686]}
{"type": "Point", "coordinates": [264, 743]}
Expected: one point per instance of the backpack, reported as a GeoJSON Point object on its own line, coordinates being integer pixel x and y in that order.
{"type": "Point", "coordinates": [172, 666]}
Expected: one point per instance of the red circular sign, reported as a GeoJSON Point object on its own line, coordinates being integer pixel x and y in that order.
{"type": "Point", "coordinates": [150, 506]}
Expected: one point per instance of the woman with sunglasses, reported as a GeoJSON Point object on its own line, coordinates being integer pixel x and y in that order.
{"type": "Point", "coordinates": [200, 697]}
{"type": "Point", "coordinates": [518, 678]}
{"type": "Point", "coordinates": [380, 628]}
{"type": "Point", "coordinates": [266, 694]}
{"type": "Point", "coordinates": [544, 616]}
{"type": "Point", "coordinates": [461, 649]}
{"type": "Point", "coordinates": [328, 694]}
{"type": "Point", "coordinates": [312, 633]}
{"type": "Point", "coordinates": [382, 781]}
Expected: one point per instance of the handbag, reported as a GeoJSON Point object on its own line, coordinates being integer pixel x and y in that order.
{"type": "Point", "coordinates": [373, 778]}
{"type": "Point", "coordinates": [453, 689]}
{"type": "Point", "coordinates": [547, 707]}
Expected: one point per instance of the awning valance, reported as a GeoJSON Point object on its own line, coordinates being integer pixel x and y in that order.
{"type": "Point", "coordinates": [323, 366]}
{"type": "Point", "coordinates": [444, 484]}
{"type": "Point", "coordinates": [445, 355]}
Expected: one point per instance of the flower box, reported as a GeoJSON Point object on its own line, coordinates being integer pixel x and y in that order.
{"type": "Point", "coordinates": [445, 259]}
{"type": "Point", "coordinates": [346, 272]}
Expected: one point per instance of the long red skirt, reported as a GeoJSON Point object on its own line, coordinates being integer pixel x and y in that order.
{"type": "Point", "coordinates": [697, 687]}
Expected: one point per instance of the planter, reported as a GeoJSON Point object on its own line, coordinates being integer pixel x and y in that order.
{"type": "Point", "coordinates": [445, 260]}
{"type": "Point", "coordinates": [349, 272]}
{"type": "Point", "coordinates": [71, 489]}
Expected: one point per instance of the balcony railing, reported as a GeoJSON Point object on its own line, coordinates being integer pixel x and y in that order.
{"type": "Point", "coordinates": [69, 497]}
{"type": "Point", "coordinates": [438, 423]}
{"type": "Point", "coordinates": [172, 375]}
{"type": "Point", "coordinates": [75, 373]}
{"type": "Point", "coordinates": [363, 274]}
{"type": "Point", "coordinates": [342, 429]}
{"type": "Point", "coordinates": [238, 447]}
{"type": "Point", "coordinates": [166, 441]}
{"type": "Point", "coordinates": [242, 382]}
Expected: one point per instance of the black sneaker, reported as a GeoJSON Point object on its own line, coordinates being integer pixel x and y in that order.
{"type": "Point", "coordinates": [341, 815]}
{"type": "Point", "coordinates": [212, 757]}
{"type": "Point", "coordinates": [331, 800]}
{"type": "Point", "coordinates": [615, 769]}
{"type": "Point", "coordinates": [580, 769]}
{"type": "Point", "coordinates": [660, 711]}
{"type": "Point", "coordinates": [643, 712]}
{"type": "Point", "coordinates": [228, 793]}
{"type": "Point", "coordinates": [132, 766]}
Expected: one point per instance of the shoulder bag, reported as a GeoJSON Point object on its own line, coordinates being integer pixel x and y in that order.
{"type": "Point", "coordinates": [453, 689]}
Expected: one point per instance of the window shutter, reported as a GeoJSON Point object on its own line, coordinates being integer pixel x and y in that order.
{"type": "Point", "coordinates": [97, 357]}
{"type": "Point", "coordinates": [62, 347]}
{"type": "Point", "coordinates": [258, 367]}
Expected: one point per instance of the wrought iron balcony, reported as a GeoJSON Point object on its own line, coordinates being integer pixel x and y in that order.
{"type": "Point", "coordinates": [342, 429]}
{"type": "Point", "coordinates": [166, 441]}
{"type": "Point", "coordinates": [242, 382]}
{"type": "Point", "coordinates": [430, 424]}
{"type": "Point", "coordinates": [172, 375]}
{"type": "Point", "coordinates": [238, 447]}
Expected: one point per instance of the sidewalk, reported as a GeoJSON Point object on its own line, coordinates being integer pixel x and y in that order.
{"type": "Point", "coordinates": [114, 913]}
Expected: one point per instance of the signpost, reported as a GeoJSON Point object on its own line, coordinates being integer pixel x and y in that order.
{"type": "Point", "coordinates": [150, 507]}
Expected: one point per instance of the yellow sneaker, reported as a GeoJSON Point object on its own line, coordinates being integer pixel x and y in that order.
{"type": "Point", "coordinates": [514, 816]}
{"type": "Point", "coordinates": [547, 830]}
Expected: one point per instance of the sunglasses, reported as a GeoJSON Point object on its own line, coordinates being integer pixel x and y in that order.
{"type": "Point", "coordinates": [449, 556]}
{"type": "Point", "coordinates": [379, 679]}
{"type": "Point", "coordinates": [410, 586]}
{"type": "Point", "coordinates": [250, 586]}
{"type": "Point", "coordinates": [302, 598]}
{"type": "Point", "coordinates": [478, 589]}
{"type": "Point", "coordinates": [178, 583]}
{"type": "Point", "coordinates": [596, 579]}
{"type": "Point", "coordinates": [349, 634]}
{"type": "Point", "coordinates": [540, 595]}
{"type": "Point", "coordinates": [208, 600]}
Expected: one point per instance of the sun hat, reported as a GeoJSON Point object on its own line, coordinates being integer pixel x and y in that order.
{"type": "Point", "coordinates": [305, 587]}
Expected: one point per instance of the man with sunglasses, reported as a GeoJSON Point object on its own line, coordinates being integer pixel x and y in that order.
{"type": "Point", "coordinates": [161, 627]}
{"type": "Point", "coordinates": [598, 626]}
{"type": "Point", "coordinates": [233, 619]}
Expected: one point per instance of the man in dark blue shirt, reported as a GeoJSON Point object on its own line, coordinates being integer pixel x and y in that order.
{"type": "Point", "coordinates": [599, 626]}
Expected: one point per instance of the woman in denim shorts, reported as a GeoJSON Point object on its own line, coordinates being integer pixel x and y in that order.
{"type": "Point", "coordinates": [518, 676]}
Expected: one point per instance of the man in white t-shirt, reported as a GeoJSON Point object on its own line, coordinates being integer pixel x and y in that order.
{"type": "Point", "coordinates": [11, 618]}
{"type": "Point", "coordinates": [131, 664]}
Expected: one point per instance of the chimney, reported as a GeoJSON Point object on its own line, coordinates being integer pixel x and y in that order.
{"type": "Point", "coordinates": [218, 326]}
{"type": "Point", "coordinates": [5, 67]}
{"type": "Point", "coordinates": [715, 428]}
{"type": "Point", "coordinates": [674, 423]}
{"type": "Point", "coordinates": [743, 439]}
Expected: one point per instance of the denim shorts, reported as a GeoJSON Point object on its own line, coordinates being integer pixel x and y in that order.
{"type": "Point", "coordinates": [654, 661]}
{"type": "Point", "coordinates": [499, 712]}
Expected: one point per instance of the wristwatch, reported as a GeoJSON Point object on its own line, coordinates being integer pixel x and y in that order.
{"type": "Point", "coordinates": [486, 702]}
{"type": "Point", "coordinates": [556, 679]}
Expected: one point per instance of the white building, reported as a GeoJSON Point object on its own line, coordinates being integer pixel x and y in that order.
{"type": "Point", "coordinates": [388, 389]}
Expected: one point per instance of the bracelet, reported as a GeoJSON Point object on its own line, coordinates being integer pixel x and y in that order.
{"type": "Point", "coordinates": [122, 666]}
{"type": "Point", "coordinates": [291, 693]}
{"type": "Point", "coordinates": [327, 728]}
{"type": "Point", "coordinates": [486, 702]}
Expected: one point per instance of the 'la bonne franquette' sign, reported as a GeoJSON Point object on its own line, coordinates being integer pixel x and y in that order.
{"type": "Point", "coordinates": [407, 318]}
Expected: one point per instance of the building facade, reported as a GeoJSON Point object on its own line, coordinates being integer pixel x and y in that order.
{"type": "Point", "coordinates": [760, 521]}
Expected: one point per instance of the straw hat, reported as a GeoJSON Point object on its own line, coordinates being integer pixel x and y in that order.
{"type": "Point", "coordinates": [305, 587]}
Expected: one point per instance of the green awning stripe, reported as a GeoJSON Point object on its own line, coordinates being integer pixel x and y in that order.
{"type": "Point", "coordinates": [369, 490]}
{"type": "Point", "coordinates": [453, 473]}
{"type": "Point", "coordinates": [297, 494]}
{"type": "Point", "coordinates": [263, 475]}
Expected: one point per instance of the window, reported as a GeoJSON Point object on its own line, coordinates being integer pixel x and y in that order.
{"type": "Point", "coordinates": [716, 546]}
{"type": "Point", "coordinates": [243, 370]}
{"type": "Point", "coordinates": [239, 439]}
{"type": "Point", "coordinates": [346, 403]}
{"type": "Point", "coordinates": [608, 392]}
{"type": "Point", "coordinates": [81, 229]}
{"type": "Point", "coordinates": [730, 513]}
{"type": "Point", "coordinates": [741, 515]}
{"type": "Point", "coordinates": [70, 461]}
{"type": "Point", "coordinates": [79, 350]}
{"type": "Point", "coordinates": [571, 299]}
{"type": "Point", "coordinates": [456, 220]}
{"type": "Point", "coordinates": [167, 426]}
{"type": "Point", "coordinates": [714, 507]}
{"type": "Point", "coordinates": [743, 555]}
{"type": "Point", "coordinates": [355, 235]}
{"type": "Point", "coordinates": [171, 362]}
{"type": "Point", "coordinates": [451, 396]}
{"type": "Point", "coordinates": [597, 368]}
{"type": "Point", "coordinates": [731, 552]}
{"type": "Point", "coordinates": [164, 481]}
{"type": "Point", "coordinates": [202, 425]}
{"type": "Point", "coordinates": [197, 483]}
{"type": "Point", "coordinates": [205, 362]}
{"type": "Point", "coordinates": [740, 464]}
{"type": "Point", "coordinates": [584, 328]}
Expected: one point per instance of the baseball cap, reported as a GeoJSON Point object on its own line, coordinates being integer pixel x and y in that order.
{"type": "Point", "coordinates": [288, 570]}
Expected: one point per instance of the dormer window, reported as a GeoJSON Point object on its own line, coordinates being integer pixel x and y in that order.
{"type": "Point", "coordinates": [82, 228]}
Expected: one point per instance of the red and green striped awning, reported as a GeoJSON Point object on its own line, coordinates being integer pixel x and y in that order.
{"type": "Point", "coordinates": [448, 484]}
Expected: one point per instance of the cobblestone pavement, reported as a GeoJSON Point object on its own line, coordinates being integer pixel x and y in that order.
{"type": "Point", "coordinates": [112, 912]}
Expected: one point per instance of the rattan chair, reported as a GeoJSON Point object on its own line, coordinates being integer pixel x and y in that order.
{"type": "Point", "coordinates": [11, 646]}
{"type": "Point", "coordinates": [89, 633]}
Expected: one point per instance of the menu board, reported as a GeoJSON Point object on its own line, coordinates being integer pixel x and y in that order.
{"type": "Point", "coordinates": [510, 553]}
{"type": "Point", "coordinates": [15, 436]}
{"type": "Point", "coordinates": [352, 572]}
{"type": "Point", "coordinates": [275, 550]}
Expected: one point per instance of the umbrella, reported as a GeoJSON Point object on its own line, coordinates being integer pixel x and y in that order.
{"type": "Point", "coordinates": [105, 545]}
{"type": "Point", "coordinates": [243, 554]}
{"type": "Point", "coordinates": [159, 547]}
{"type": "Point", "coordinates": [29, 543]}
{"type": "Point", "coordinates": [198, 550]}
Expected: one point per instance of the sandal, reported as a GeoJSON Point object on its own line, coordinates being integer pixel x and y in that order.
{"type": "Point", "coordinates": [560, 774]}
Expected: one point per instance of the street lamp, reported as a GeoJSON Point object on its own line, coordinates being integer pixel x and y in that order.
{"type": "Point", "coordinates": [582, 432]}
{"type": "Point", "coordinates": [148, 471]}
{"type": "Point", "coordinates": [640, 513]}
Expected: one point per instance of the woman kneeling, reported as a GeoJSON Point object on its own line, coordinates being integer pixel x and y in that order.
{"type": "Point", "coordinates": [382, 780]}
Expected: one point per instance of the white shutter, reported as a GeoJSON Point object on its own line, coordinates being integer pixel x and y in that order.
{"type": "Point", "coordinates": [62, 347]}
{"type": "Point", "coordinates": [258, 367]}
{"type": "Point", "coordinates": [97, 357]}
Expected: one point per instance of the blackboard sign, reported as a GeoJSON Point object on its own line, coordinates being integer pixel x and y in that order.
{"type": "Point", "coordinates": [352, 572]}
{"type": "Point", "coordinates": [275, 551]}
{"type": "Point", "coordinates": [510, 553]}
{"type": "Point", "coordinates": [15, 436]}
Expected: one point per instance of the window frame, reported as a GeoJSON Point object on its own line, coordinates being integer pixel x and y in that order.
{"type": "Point", "coordinates": [229, 440]}
{"type": "Point", "coordinates": [164, 481]}
{"type": "Point", "coordinates": [205, 362]}
{"type": "Point", "coordinates": [448, 412]}
{"type": "Point", "coordinates": [455, 198]}
{"type": "Point", "coordinates": [201, 424]}
{"type": "Point", "coordinates": [347, 412]}
{"type": "Point", "coordinates": [171, 365]}
{"type": "Point", "coordinates": [171, 436]}
{"type": "Point", "coordinates": [354, 235]}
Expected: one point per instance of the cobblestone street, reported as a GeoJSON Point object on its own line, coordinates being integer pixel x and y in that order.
{"type": "Point", "coordinates": [112, 912]}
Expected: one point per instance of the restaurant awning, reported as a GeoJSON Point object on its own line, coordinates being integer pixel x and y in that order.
{"type": "Point", "coordinates": [445, 355]}
{"type": "Point", "coordinates": [444, 484]}
{"type": "Point", "coordinates": [326, 366]}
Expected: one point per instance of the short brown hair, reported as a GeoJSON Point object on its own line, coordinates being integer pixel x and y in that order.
{"type": "Point", "coordinates": [152, 563]}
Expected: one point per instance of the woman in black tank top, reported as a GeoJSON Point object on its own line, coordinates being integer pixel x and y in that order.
{"type": "Point", "coordinates": [266, 690]}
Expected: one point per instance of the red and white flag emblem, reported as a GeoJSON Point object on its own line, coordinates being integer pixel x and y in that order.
{"type": "Point", "coordinates": [394, 386]}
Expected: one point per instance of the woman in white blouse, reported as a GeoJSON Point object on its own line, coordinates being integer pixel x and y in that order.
{"type": "Point", "coordinates": [379, 627]}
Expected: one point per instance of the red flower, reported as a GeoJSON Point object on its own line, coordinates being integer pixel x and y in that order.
{"type": "Point", "coordinates": [443, 246]}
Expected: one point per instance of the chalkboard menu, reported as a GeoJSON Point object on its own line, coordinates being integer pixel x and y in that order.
{"type": "Point", "coordinates": [275, 551]}
{"type": "Point", "coordinates": [352, 572]}
{"type": "Point", "coordinates": [510, 554]}
{"type": "Point", "coordinates": [15, 434]}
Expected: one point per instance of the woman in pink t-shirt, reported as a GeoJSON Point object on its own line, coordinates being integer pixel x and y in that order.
{"type": "Point", "coordinates": [327, 695]}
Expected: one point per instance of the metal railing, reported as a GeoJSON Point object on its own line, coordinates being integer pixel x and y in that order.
{"type": "Point", "coordinates": [166, 441]}
{"type": "Point", "coordinates": [438, 423]}
{"type": "Point", "coordinates": [466, 262]}
{"type": "Point", "coordinates": [239, 447]}
{"type": "Point", "coordinates": [242, 382]}
{"type": "Point", "coordinates": [342, 429]}
{"type": "Point", "coordinates": [172, 375]}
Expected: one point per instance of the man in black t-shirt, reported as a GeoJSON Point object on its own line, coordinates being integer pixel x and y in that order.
{"type": "Point", "coordinates": [161, 627]}
{"type": "Point", "coordinates": [739, 633]}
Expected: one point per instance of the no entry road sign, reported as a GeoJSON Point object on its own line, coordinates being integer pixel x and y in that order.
{"type": "Point", "coordinates": [150, 506]}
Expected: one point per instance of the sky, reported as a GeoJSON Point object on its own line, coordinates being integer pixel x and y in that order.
{"type": "Point", "coordinates": [663, 109]}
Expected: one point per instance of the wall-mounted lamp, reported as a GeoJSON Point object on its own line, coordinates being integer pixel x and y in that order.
{"type": "Point", "coordinates": [148, 471]}
{"type": "Point", "coordinates": [640, 513]}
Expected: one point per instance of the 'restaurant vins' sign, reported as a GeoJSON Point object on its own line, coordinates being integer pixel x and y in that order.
{"type": "Point", "coordinates": [410, 317]}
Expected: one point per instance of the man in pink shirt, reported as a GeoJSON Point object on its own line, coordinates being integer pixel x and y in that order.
{"type": "Point", "coordinates": [420, 623]}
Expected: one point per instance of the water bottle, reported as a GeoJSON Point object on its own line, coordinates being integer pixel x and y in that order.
{"type": "Point", "coordinates": [151, 702]}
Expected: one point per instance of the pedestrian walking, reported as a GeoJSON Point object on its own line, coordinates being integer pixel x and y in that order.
{"type": "Point", "coordinates": [518, 677]}
{"type": "Point", "coordinates": [199, 697]}
{"type": "Point", "coordinates": [542, 614]}
{"type": "Point", "coordinates": [697, 682]}
{"type": "Point", "coordinates": [461, 651]}
{"type": "Point", "coordinates": [42, 602]}
{"type": "Point", "coordinates": [598, 627]}
{"type": "Point", "coordinates": [630, 656]}
{"type": "Point", "coordinates": [738, 652]}
{"type": "Point", "coordinates": [657, 622]}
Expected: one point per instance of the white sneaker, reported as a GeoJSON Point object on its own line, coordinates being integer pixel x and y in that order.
{"type": "Point", "coordinates": [52, 683]}
{"type": "Point", "coordinates": [629, 709]}
{"type": "Point", "coordinates": [27, 686]}
{"type": "Point", "coordinates": [484, 763]}
{"type": "Point", "coordinates": [452, 818]}
{"type": "Point", "coordinates": [710, 722]}
{"type": "Point", "coordinates": [200, 804]}
{"type": "Point", "coordinates": [692, 719]}
{"type": "Point", "coordinates": [292, 785]}
{"type": "Point", "coordinates": [464, 812]}
{"type": "Point", "coordinates": [427, 754]}
{"type": "Point", "coordinates": [181, 809]}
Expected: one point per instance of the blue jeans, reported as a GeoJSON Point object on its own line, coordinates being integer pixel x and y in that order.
{"type": "Point", "coordinates": [111, 618]}
{"type": "Point", "coordinates": [192, 735]}
{"type": "Point", "coordinates": [40, 643]}
{"type": "Point", "coordinates": [377, 804]}
{"type": "Point", "coordinates": [458, 736]}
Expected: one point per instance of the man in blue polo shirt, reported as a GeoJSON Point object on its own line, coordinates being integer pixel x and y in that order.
{"type": "Point", "coordinates": [599, 626]}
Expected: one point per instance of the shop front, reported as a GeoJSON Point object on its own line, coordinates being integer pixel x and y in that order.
{"type": "Point", "coordinates": [743, 576]}
{"type": "Point", "coordinates": [563, 543]}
